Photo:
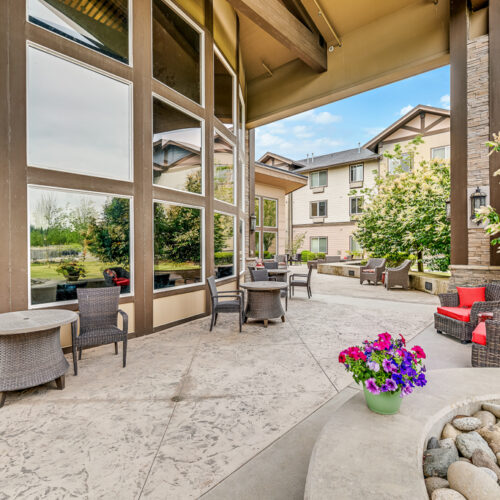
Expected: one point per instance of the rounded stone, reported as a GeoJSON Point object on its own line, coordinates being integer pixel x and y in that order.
{"type": "Point", "coordinates": [472, 482]}
{"type": "Point", "coordinates": [467, 424]}
{"type": "Point", "coordinates": [491, 435]}
{"type": "Point", "coordinates": [469, 442]}
{"type": "Point", "coordinates": [487, 418]}
{"type": "Point", "coordinates": [433, 443]}
{"type": "Point", "coordinates": [446, 494]}
{"type": "Point", "coordinates": [482, 459]}
{"type": "Point", "coordinates": [447, 443]}
{"type": "Point", "coordinates": [463, 459]}
{"type": "Point", "coordinates": [434, 483]}
{"type": "Point", "coordinates": [492, 407]}
{"type": "Point", "coordinates": [449, 432]}
{"type": "Point", "coordinates": [437, 461]}
{"type": "Point", "coordinates": [490, 473]}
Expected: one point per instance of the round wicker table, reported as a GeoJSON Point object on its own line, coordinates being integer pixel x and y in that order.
{"type": "Point", "coordinates": [279, 273]}
{"type": "Point", "coordinates": [264, 302]}
{"type": "Point", "coordinates": [30, 349]}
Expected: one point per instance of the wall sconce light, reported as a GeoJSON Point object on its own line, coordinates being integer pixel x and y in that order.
{"type": "Point", "coordinates": [448, 209]}
{"type": "Point", "coordinates": [253, 223]}
{"type": "Point", "coordinates": [477, 200]}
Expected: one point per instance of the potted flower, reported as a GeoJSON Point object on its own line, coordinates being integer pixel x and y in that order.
{"type": "Point", "coordinates": [72, 270]}
{"type": "Point", "coordinates": [386, 369]}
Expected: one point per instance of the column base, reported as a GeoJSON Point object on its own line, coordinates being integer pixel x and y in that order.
{"type": "Point", "coordinates": [473, 275]}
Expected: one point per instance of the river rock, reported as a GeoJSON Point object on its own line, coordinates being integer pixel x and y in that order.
{"type": "Point", "coordinates": [491, 435]}
{"type": "Point", "coordinates": [434, 483]}
{"type": "Point", "coordinates": [472, 482]}
{"type": "Point", "coordinates": [490, 473]}
{"type": "Point", "coordinates": [482, 459]}
{"type": "Point", "coordinates": [433, 443]}
{"type": "Point", "coordinates": [492, 407]}
{"type": "Point", "coordinates": [447, 443]}
{"type": "Point", "coordinates": [437, 461]}
{"type": "Point", "coordinates": [498, 457]}
{"type": "Point", "coordinates": [463, 459]}
{"type": "Point", "coordinates": [467, 424]}
{"type": "Point", "coordinates": [446, 494]}
{"type": "Point", "coordinates": [468, 443]}
{"type": "Point", "coordinates": [487, 418]}
{"type": "Point", "coordinates": [449, 432]}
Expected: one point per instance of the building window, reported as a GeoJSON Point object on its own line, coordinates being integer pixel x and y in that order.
{"type": "Point", "coordinates": [441, 153]}
{"type": "Point", "coordinates": [319, 244]}
{"type": "Point", "coordinates": [354, 246]}
{"type": "Point", "coordinates": [318, 208]}
{"type": "Point", "coordinates": [270, 210]}
{"type": "Point", "coordinates": [224, 87]}
{"type": "Point", "coordinates": [257, 211]}
{"type": "Point", "coordinates": [356, 205]}
{"type": "Point", "coordinates": [177, 148]}
{"type": "Point", "coordinates": [178, 245]}
{"type": "Point", "coordinates": [177, 49]}
{"type": "Point", "coordinates": [100, 26]}
{"type": "Point", "coordinates": [224, 245]}
{"type": "Point", "coordinates": [77, 240]}
{"type": "Point", "coordinates": [269, 243]}
{"type": "Point", "coordinates": [78, 120]}
{"type": "Point", "coordinates": [404, 164]}
{"type": "Point", "coordinates": [242, 245]}
{"type": "Point", "coordinates": [318, 179]}
{"type": "Point", "coordinates": [223, 170]}
{"type": "Point", "coordinates": [356, 173]}
{"type": "Point", "coordinates": [257, 244]}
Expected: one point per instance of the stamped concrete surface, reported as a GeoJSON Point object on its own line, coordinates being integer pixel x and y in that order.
{"type": "Point", "coordinates": [193, 407]}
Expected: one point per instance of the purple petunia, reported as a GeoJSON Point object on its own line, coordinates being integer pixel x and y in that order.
{"type": "Point", "coordinates": [388, 366]}
{"type": "Point", "coordinates": [372, 386]}
{"type": "Point", "coordinates": [391, 384]}
{"type": "Point", "coordinates": [373, 365]}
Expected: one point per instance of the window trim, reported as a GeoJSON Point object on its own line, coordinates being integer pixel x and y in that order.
{"type": "Point", "coordinates": [446, 147]}
{"type": "Point", "coordinates": [354, 165]}
{"type": "Point", "coordinates": [235, 169]}
{"type": "Point", "coordinates": [84, 191]}
{"type": "Point", "coordinates": [263, 217]}
{"type": "Point", "coordinates": [71, 60]}
{"type": "Point", "coordinates": [201, 32]}
{"type": "Point", "coordinates": [242, 245]}
{"type": "Point", "coordinates": [350, 204]}
{"type": "Point", "coordinates": [202, 244]}
{"type": "Point", "coordinates": [203, 143]}
{"type": "Point", "coordinates": [351, 240]}
{"type": "Point", "coordinates": [257, 252]}
{"type": "Point", "coordinates": [311, 203]}
{"type": "Point", "coordinates": [318, 173]}
{"type": "Point", "coordinates": [235, 245]}
{"type": "Point", "coordinates": [217, 52]}
{"type": "Point", "coordinates": [311, 238]}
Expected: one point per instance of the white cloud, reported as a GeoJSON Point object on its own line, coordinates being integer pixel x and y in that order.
{"type": "Point", "coordinates": [275, 128]}
{"type": "Point", "coordinates": [445, 101]}
{"type": "Point", "coordinates": [302, 132]}
{"type": "Point", "coordinates": [405, 110]}
{"type": "Point", "coordinates": [373, 131]}
{"type": "Point", "coordinates": [325, 118]}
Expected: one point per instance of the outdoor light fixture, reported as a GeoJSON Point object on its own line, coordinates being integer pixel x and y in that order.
{"type": "Point", "coordinates": [448, 209]}
{"type": "Point", "coordinates": [253, 222]}
{"type": "Point", "coordinates": [477, 200]}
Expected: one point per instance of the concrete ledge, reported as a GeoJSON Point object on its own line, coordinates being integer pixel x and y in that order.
{"type": "Point", "coordinates": [360, 454]}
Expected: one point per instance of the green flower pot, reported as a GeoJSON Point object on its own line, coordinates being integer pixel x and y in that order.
{"type": "Point", "coordinates": [385, 403]}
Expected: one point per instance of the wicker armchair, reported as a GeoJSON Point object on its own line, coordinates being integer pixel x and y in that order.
{"type": "Point", "coordinates": [271, 265]}
{"type": "Point", "coordinates": [488, 355]}
{"type": "Point", "coordinates": [297, 258]}
{"type": "Point", "coordinates": [462, 330]}
{"type": "Point", "coordinates": [98, 311]}
{"type": "Point", "coordinates": [398, 276]}
{"type": "Point", "coordinates": [225, 306]}
{"type": "Point", "coordinates": [293, 282]}
{"type": "Point", "coordinates": [372, 271]}
{"type": "Point", "coordinates": [281, 258]}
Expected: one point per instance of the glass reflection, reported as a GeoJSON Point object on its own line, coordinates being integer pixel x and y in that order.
{"type": "Point", "coordinates": [224, 245]}
{"type": "Point", "coordinates": [224, 93]}
{"type": "Point", "coordinates": [224, 170]}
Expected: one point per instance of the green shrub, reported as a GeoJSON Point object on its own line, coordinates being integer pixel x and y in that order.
{"type": "Point", "coordinates": [321, 255]}
{"type": "Point", "coordinates": [307, 256]}
{"type": "Point", "coordinates": [267, 255]}
{"type": "Point", "coordinates": [223, 258]}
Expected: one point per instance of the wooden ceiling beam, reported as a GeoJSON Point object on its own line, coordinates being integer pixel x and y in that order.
{"type": "Point", "coordinates": [323, 24]}
{"type": "Point", "coordinates": [273, 17]}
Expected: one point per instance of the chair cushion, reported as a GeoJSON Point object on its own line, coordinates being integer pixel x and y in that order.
{"type": "Point", "coordinates": [228, 305]}
{"type": "Point", "coordinates": [479, 334]}
{"type": "Point", "coordinates": [121, 281]}
{"type": "Point", "coordinates": [459, 313]}
{"type": "Point", "coordinates": [368, 270]}
{"type": "Point", "coordinates": [468, 295]}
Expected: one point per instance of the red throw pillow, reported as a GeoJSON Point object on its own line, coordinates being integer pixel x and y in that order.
{"type": "Point", "coordinates": [468, 295]}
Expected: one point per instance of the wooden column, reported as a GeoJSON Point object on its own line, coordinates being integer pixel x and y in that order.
{"type": "Point", "coordinates": [251, 188]}
{"type": "Point", "coordinates": [458, 94]}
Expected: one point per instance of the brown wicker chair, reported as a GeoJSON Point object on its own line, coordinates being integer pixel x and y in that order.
{"type": "Point", "coordinates": [293, 282]}
{"type": "Point", "coordinates": [225, 306]}
{"type": "Point", "coordinates": [462, 330]}
{"type": "Point", "coordinates": [372, 271]}
{"type": "Point", "coordinates": [271, 265]}
{"type": "Point", "coordinates": [398, 276]}
{"type": "Point", "coordinates": [98, 311]}
{"type": "Point", "coordinates": [488, 355]}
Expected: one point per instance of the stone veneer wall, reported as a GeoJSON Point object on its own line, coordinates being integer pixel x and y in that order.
{"type": "Point", "coordinates": [473, 275]}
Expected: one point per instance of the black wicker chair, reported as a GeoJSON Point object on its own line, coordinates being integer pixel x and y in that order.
{"type": "Point", "coordinates": [98, 311]}
{"type": "Point", "coordinates": [297, 258]}
{"type": "Point", "coordinates": [293, 282]}
{"type": "Point", "coordinates": [225, 306]}
{"type": "Point", "coordinates": [488, 355]}
{"type": "Point", "coordinates": [271, 265]}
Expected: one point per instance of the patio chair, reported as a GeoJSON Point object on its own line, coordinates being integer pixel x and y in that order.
{"type": "Point", "coordinates": [225, 306]}
{"type": "Point", "coordinates": [372, 271]}
{"type": "Point", "coordinates": [117, 276]}
{"type": "Point", "coordinates": [398, 276]}
{"type": "Point", "coordinates": [297, 258]}
{"type": "Point", "coordinates": [293, 282]}
{"type": "Point", "coordinates": [281, 259]}
{"type": "Point", "coordinates": [460, 322]}
{"type": "Point", "coordinates": [486, 345]}
{"type": "Point", "coordinates": [271, 265]}
{"type": "Point", "coordinates": [98, 311]}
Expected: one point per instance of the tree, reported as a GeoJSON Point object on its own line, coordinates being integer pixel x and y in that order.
{"type": "Point", "coordinates": [297, 242]}
{"type": "Point", "coordinates": [405, 213]}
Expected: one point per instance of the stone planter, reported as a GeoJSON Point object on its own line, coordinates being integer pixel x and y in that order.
{"type": "Point", "coordinates": [385, 403]}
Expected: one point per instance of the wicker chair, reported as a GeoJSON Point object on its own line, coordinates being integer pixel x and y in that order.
{"type": "Point", "coordinates": [281, 258]}
{"type": "Point", "coordinates": [372, 271]}
{"type": "Point", "coordinates": [225, 306]}
{"type": "Point", "coordinates": [293, 282]}
{"type": "Point", "coordinates": [98, 311]}
{"type": "Point", "coordinates": [297, 258]}
{"type": "Point", "coordinates": [462, 330]}
{"type": "Point", "coordinates": [488, 355]}
{"type": "Point", "coordinates": [271, 265]}
{"type": "Point", "coordinates": [398, 276]}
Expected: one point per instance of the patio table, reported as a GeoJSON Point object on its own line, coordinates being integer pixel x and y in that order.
{"type": "Point", "coordinates": [264, 301]}
{"type": "Point", "coordinates": [30, 349]}
{"type": "Point", "coordinates": [279, 273]}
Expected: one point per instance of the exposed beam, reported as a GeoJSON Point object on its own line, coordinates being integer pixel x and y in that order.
{"type": "Point", "coordinates": [276, 20]}
{"type": "Point", "coordinates": [322, 22]}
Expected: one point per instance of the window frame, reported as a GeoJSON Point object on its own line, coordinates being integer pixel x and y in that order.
{"type": "Point", "coordinates": [218, 53]}
{"type": "Point", "coordinates": [235, 245]}
{"type": "Point", "coordinates": [275, 241]}
{"type": "Point", "coordinates": [234, 203]}
{"type": "Point", "coordinates": [263, 198]}
{"type": "Point", "coordinates": [353, 240]}
{"type": "Point", "coordinates": [392, 167]}
{"type": "Point", "coordinates": [318, 172]}
{"type": "Point", "coordinates": [351, 169]}
{"type": "Point", "coordinates": [351, 198]}
{"type": "Point", "coordinates": [447, 152]}
{"type": "Point", "coordinates": [203, 143]}
{"type": "Point", "coordinates": [242, 245]}
{"type": "Point", "coordinates": [317, 202]}
{"type": "Point", "coordinates": [318, 238]}
{"type": "Point", "coordinates": [42, 187]}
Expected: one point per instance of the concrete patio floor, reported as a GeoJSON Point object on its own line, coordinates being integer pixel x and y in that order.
{"type": "Point", "coordinates": [192, 407]}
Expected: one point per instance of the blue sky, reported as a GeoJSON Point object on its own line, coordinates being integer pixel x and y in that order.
{"type": "Point", "coordinates": [341, 125]}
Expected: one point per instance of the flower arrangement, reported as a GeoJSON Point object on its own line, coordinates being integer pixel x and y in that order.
{"type": "Point", "coordinates": [385, 365]}
{"type": "Point", "coordinates": [72, 270]}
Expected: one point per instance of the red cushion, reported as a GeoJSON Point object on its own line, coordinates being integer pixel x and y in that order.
{"type": "Point", "coordinates": [369, 270]}
{"type": "Point", "coordinates": [460, 313]}
{"type": "Point", "coordinates": [468, 295]}
{"type": "Point", "coordinates": [121, 281]}
{"type": "Point", "coordinates": [479, 334]}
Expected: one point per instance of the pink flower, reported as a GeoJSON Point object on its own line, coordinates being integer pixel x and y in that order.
{"type": "Point", "coordinates": [403, 339]}
{"type": "Point", "coordinates": [419, 352]}
{"type": "Point", "coordinates": [342, 357]}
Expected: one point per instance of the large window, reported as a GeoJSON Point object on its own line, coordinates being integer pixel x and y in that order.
{"type": "Point", "coordinates": [269, 244]}
{"type": "Point", "coordinates": [354, 247]}
{"type": "Point", "coordinates": [223, 170]}
{"type": "Point", "coordinates": [224, 88]}
{"type": "Point", "coordinates": [318, 179]}
{"type": "Point", "coordinates": [319, 208]}
{"type": "Point", "coordinates": [356, 205]}
{"type": "Point", "coordinates": [270, 212]}
{"type": "Point", "coordinates": [257, 210]}
{"type": "Point", "coordinates": [78, 120]}
{"type": "Point", "coordinates": [177, 49]}
{"type": "Point", "coordinates": [441, 153]}
{"type": "Point", "coordinates": [224, 245]}
{"type": "Point", "coordinates": [177, 148]}
{"type": "Point", "coordinates": [242, 245]}
{"type": "Point", "coordinates": [101, 26]}
{"type": "Point", "coordinates": [404, 164]}
{"type": "Point", "coordinates": [178, 245]}
{"type": "Point", "coordinates": [77, 240]}
{"type": "Point", "coordinates": [356, 173]}
{"type": "Point", "coordinates": [257, 244]}
{"type": "Point", "coordinates": [319, 244]}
